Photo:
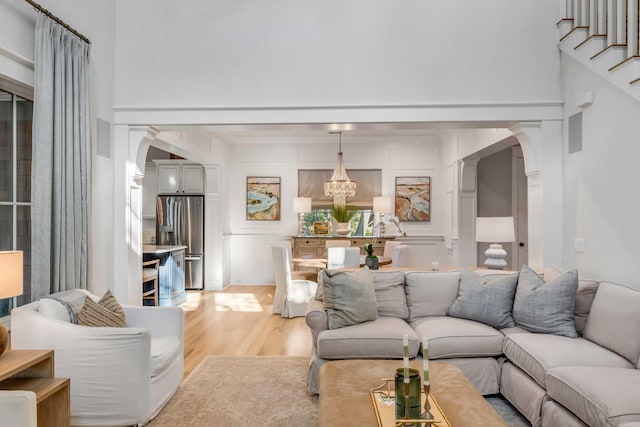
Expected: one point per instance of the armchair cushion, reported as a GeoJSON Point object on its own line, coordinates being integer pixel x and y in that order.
{"type": "Point", "coordinates": [164, 350]}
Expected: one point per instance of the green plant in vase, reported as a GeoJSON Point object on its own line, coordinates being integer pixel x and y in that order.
{"type": "Point", "coordinates": [342, 215]}
{"type": "Point", "coordinates": [371, 259]}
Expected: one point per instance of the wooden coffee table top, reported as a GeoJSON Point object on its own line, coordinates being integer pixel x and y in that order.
{"type": "Point", "coordinates": [344, 387]}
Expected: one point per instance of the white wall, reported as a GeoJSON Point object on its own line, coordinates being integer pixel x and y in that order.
{"type": "Point", "coordinates": [225, 53]}
{"type": "Point", "coordinates": [601, 204]}
{"type": "Point", "coordinates": [96, 20]}
{"type": "Point", "coordinates": [402, 156]}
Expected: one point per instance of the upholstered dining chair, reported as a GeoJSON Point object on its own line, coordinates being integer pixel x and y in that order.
{"type": "Point", "coordinates": [18, 408]}
{"type": "Point", "coordinates": [342, 257]}
{"type": "Point", "coordinates": [292, 295]}
{"type": "Point", "coordinates": [400, 256]}
{"type": "Point", "coordinates": [388, 248]}
{"type": "Point", "coordinates": [303, 274]}
{"type": "Point", "coordinates": [337, 243]}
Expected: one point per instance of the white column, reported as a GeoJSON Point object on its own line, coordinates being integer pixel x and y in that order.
{"type": "Point", "coordinates": [542, 148]}
{"type": "Point", "coordinates": [215, 265]}
{"type": "Point", "coordinates": [467, 208]}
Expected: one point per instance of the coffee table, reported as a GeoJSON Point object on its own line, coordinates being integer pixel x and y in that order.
{"type": "Point", "coordinates": [344, 387]}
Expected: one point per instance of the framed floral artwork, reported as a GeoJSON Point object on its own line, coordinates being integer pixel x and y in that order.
{"type": "Point", "coordinates": [413, 198]}
{"type": "Point", "coordinates": [263, 198]}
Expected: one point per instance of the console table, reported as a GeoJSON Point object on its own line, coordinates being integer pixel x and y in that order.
{"type": "Point", "coordinates": [33, 370]}
{"type": "Point", "coordinates": [315, 246]}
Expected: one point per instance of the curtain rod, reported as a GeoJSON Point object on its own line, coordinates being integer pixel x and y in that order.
{"type": "Point", "coordinates": [58, 20]}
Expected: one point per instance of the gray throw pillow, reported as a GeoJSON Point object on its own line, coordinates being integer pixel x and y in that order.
{"type": "Point", "coordinates": [485, 300]}
{"type": "Point", "coordinates": [546, 307]}
{"type": "Point", "coordinates": [349, 297]}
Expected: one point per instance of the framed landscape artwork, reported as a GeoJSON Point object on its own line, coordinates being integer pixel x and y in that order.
{"type": "Point", "coordinates": [413, 198]}
{"type": "Point", "coordinates": [263, 198]}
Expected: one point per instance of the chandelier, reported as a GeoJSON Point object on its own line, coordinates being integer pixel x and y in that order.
{"type": "Point", "coordinates": [339, 185]}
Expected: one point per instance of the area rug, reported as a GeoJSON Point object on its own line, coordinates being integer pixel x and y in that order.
{"type": "Point", "coordinates": [232, 391]}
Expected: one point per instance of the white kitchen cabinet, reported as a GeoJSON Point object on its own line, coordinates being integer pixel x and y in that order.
{"type": "Point", "coordinates": [178, 176]}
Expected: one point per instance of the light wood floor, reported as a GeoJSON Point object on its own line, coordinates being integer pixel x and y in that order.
{"type": "Point", "coordinates": [238, 321]}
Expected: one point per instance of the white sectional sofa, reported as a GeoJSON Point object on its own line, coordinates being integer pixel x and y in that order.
{"type": "Point", "coordinates": [553, 380]}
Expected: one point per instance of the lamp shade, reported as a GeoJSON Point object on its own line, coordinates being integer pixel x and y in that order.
{"type": "Point", "coordinates": [382, 204]}
{"type": "Point", "coordinates": [495, 229]}
{"type": "Point", "coordinates": [302, 204]}
{"type": "Point", "coordinates": [11, 277]}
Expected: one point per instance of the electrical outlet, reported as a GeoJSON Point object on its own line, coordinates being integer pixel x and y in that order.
{"type": "Point", "coordinates": [578, 245]}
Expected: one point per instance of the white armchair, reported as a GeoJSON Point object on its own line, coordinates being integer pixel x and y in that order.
{"type": "Point", "coordinates": [18, 408]}
{"type": "Point", "coordinates": [119, 376]}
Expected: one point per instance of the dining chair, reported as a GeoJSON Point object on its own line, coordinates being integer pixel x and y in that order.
{"type": "Point", "coordinates": [400, 256]}
{"type": "Point", "coordinates": [337, 243]}
{"type": "Point", "coordinates": [292, 295]}
{"type": "Point", "coordinates": [343, 257]}
{"type": "Point", "coordinates": [388, 248]}
{"type": "Point", "coordinates": [303, 274]}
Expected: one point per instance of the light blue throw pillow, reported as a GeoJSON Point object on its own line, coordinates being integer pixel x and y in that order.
{"type": "Point", "coordinates": [485, 300]}
{"type": "Point", "coordinates": [546, 307]}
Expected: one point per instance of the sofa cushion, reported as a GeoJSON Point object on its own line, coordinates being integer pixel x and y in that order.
{"type": "Point", "coordinates": [378, 339]}
{"type": "Point", "coordinates": [614, 320]}
{"type": "Point", "coordinates": [107, 312]}
{"type": "Point", "coordinates": [546, 307]}
{"type": "Point", "coordinates": [63, 306]}
{"type": "Point", "coordinates": [390, 295]}
{"type": "Point", "coordinates": [164, 350]}
{"type": "Point", "coordinates": [453, 337]}
{"type": "Point", "coordinates": [598, 396]}
{"type": "Point", "coordinates": [485, 300]}
{"type": "Point", "coordinates": [585, 294]}
{"type": "Point", "coordinates": [538, 353]}
{"type": "Point", "coordinates": [349, 297]}
{"type": "Point", "coordinates": [431, 293]}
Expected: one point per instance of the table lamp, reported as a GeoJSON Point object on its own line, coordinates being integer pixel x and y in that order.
{"type": "Point", "coordinates": [301, 205]}
{"type": "Point", "coordinates": [382, 205]}
{"type": "Point", "coordinates": [10, 285]}
{"type": "Point", "coordinates": [493, 230]}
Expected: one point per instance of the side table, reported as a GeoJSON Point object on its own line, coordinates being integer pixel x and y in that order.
{"type": "Point", "coordinates": [33, 370]}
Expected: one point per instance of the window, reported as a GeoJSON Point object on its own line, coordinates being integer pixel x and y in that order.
{"type": "Point", "coordinates": [16, 115]}
{"type": "Point", "coordinates": [369, 184]}
{"type": "Point", "coordinates": [361, 224]}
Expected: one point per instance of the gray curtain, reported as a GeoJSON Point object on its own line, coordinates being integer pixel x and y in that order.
{"type": "Point", "coordinates": [61, 161]}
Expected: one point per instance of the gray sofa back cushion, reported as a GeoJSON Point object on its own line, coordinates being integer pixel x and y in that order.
{"type": "Point", "coordinates": [431, 293]}
{"type": "Point", "coordinates": [614, 320]}
{"type": "Point", "coordinates": [488, 299]}
{"type": "Point", "coordinates": [546, 307]}
{"type": "Point", "coordinates": [390, 295]}
{"type": "Point", "coordinates": [584, 295]}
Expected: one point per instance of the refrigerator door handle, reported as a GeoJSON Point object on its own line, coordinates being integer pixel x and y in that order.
{"type": "Point", "coordinates": [192, 258]}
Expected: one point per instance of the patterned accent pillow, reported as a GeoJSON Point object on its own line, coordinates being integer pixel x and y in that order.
{"type": "Point", "coordinates": [488, 300]}
{"type": "Point", "coordinates": [546, 307]}
{"type": "Point", "coordinates": [349, 297]}
{"type": "Point", "coordinates": [105, 313]}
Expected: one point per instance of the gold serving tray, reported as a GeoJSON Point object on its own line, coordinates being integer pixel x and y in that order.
{"type": "Point", "coordinates": [384, 404]}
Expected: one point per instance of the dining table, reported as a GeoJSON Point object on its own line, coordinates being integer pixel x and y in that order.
{"type": "Point", "coordinates": [319, 262]}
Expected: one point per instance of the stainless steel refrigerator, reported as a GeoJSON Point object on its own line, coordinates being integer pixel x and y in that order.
{"type": "Point", "coordinates": [180, 221]}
